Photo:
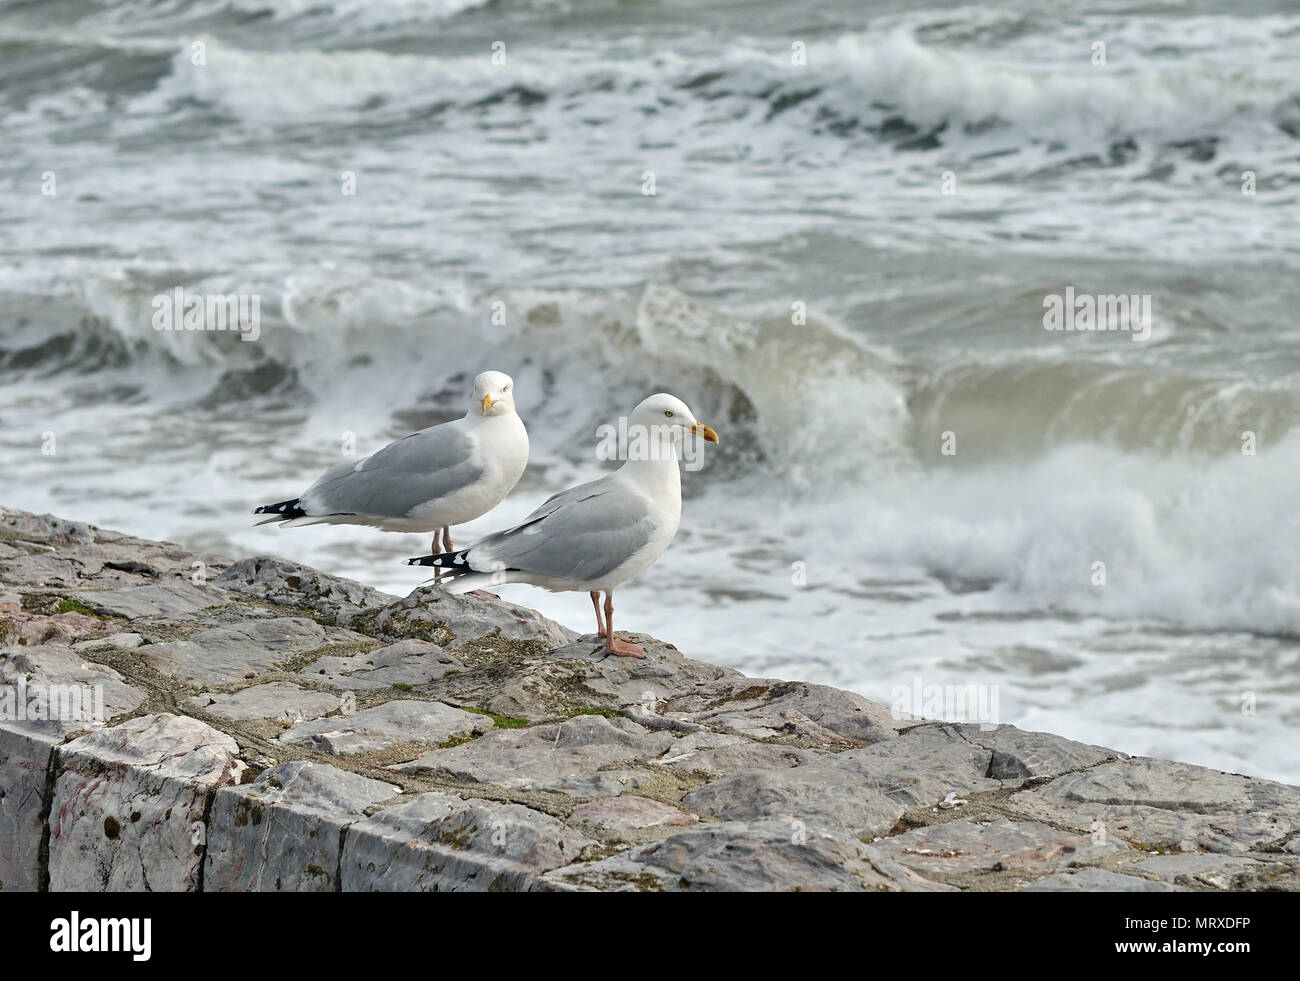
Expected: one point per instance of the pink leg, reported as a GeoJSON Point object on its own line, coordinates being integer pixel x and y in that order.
{"type": "Point", "coordinates": [434, 549]}
{"type": "Point", "coordinates": [615, 644]}
{"type": "Point", "coordinates": [601, 629]}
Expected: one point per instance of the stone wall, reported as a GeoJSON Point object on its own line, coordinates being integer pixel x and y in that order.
{"type": "Point", "coordinates": [269, 727]}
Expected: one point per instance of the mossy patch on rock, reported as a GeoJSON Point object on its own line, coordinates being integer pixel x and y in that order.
{"type": "Point", "coordinates": [76, 606]}
{"type": "Point", "coordinates": [497, 650]}
{"type": "Point", "coordinates": [502, 721]}
{"type": "Point", "coordinates": [644, 881]}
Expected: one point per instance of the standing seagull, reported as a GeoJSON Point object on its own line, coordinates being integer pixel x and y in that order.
{"type": "Point", "coordinates": [595, 536]}
{"type": "Point", "coordinates": [428, 481]}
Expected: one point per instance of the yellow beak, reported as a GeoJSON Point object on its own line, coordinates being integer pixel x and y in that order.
{"type": "Point", "coordinates": [487, 403]}
{"type": "Point", "coordinates": [699, 429]}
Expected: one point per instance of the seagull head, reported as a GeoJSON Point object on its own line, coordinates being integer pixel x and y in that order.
{"type": "Point", "coordinates": [668, 414]}
{"type": "Point", "coordinates": [494, 394]}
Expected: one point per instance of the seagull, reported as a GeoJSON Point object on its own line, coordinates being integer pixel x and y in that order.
{"type": "Point", "coordinates": [427, 481]}
{"type": "Point", "coordinates": [598, 535]}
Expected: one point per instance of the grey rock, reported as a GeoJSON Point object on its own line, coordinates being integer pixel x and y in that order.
{"type": "Point", "coordinates": [43, 551]}
{"type": "Point", "coordinates": [298, 586]}
{"type": "Point", "coordinates": [121, 641]}
{"type": "Point", "coordinates": [391, 724]}
{"type": "Point", "coordinates": [1168, 806]}
{"type": "Point", "coordinates": [24, 763]}
{"type": "Point", "coordinates": [715, 760]}
{"type": "Point", "coordinates": [966, 845]}
{"type": "Point", "coordinates": [1020, 755]}
{"type": "Point", "coordinates": [450, 621]}
{"type": "Point", "coordinates": [1282, 876]}
{"type": "Point", "coordinates": [759, 857]}
{"type": "Point", "coordinates": [45, 528]}
{"type": "Point", "coordinates": [923, 765]}
{"type": "Point", "coordinates": [25, 565]}
{"type": "Point", "coordinates": [534, 686]}
{"type": "Point", "coordinates": [282, 833]}
{"type": "Point", "coordinates": [538, 690]}
{"type": "Point", "coordinates": [436, 843]}
{"type": "Point", "coordinates": [275, 700]}
{"type": "Point", "coordinates": [859, 791]}
{"type": "Point", "coordinates": [630, 812]}
{"type": "Point", "coordinates": [538, 757]}
{"type": "Point", "coordinates": [225, 654]}
{"type": "Point", "coordinates": [129, 804]}
{"type": "Point", "coordinates": [408, 662]}
{"type": "Point", "coordinates": [797, 712]}
{"type": "Point", "coordinates": [72, 688]}
{"type": "Point", "coordinates": [1095, 880]}
{"type": "Point", "coordinates": [173, 598]}
{"type": "Point", "coordinates": [610, 782]}
{"type": "Point", "coordinates": [25, 628]}
{"type": "Point", "coordinates": [638, 684]}
{"type": "Point", "coordinates": [526, 680]}
{"type": "Point", "coordinates": [821, 796]}
{"type": "Point", "coordinates": [1207, 871]}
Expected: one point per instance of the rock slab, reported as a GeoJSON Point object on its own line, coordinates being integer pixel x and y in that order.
{"type": "Point", "coordinates": [129, 805]}
{"type": "Point", "coordinates": [282, 832]}
{"type": "Point", "coordinates": [335, 737]}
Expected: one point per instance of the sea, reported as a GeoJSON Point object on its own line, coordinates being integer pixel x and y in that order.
{"type": "Point", "coordinates": [994, 307]}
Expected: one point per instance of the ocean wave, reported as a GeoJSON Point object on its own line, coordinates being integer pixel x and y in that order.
{"type": "Point", "coordinates": [810, 399]}
{"type": "Point", "coordinates": [362, 13]}
{"type": "Point", "coordinates": [933, 87]}
{"type": "Point", "coordinates": [887, 83]}
{"type": "Point", "coordinates": [1198, 541]}
{"type": "Point", "coordinates": [349, 15]}
{"type": "Point", "coordinates": [1009, 408]}
{"type": "Point", "coordinates": [804, 399]}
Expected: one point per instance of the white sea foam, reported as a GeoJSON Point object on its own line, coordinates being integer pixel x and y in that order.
{"type": "Point", "coordinates": [819, 184]}
{"type": "Point", "coordinates": [868, 75]}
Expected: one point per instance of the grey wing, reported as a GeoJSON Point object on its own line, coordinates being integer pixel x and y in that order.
{"type": "Point", "coordinates": [412, 471]}
{"type": "Point", "coordinates": [569, 495]}
{"type": "Point", "coordinates": [581, 534]}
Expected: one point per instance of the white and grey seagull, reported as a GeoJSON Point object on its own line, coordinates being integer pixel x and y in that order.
{"type": "Point", "coordinates": [598, 535]}
{"type": "Point", "coordinates": [427, 481]}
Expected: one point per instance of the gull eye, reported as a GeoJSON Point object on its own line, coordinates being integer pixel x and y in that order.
{"type": "Point", "coordinates": [668, 413]}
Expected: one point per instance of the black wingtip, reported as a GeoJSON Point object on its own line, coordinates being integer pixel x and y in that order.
{"type": "Point", "coordinates": [449, 561]}
{"type": "Point", "coordinates": [285, 509]}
